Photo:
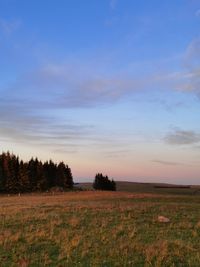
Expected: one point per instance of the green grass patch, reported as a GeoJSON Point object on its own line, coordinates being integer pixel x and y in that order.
{"type": "Point", "coordinates": [99, 230]}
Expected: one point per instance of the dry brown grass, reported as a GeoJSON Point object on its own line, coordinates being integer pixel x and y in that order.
{"type": "Point", "coordinates": [99, 229]}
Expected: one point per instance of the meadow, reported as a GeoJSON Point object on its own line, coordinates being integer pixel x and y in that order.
{"type": "Point", "coordinates": [104, 229]}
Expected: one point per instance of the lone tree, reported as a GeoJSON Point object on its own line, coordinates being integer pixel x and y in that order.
{"type": "Point", "coordinates": [103, 183]}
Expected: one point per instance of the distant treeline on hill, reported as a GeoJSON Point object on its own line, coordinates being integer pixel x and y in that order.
{"type": "Point", "coordinates": [173, 186]}
{"type": "Point", "coordinates": [17, 176]}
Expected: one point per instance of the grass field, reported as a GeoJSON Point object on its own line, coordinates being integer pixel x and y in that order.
{"type": "Point", "coordinates": [99, 229]}
{"type": "Point", "coordinates": [149, 188]}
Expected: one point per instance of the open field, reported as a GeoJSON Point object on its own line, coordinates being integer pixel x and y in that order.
{"type": "Point", "coordinates": [150, 188]}
{"type": "Point", "coordinates": [99, 229]}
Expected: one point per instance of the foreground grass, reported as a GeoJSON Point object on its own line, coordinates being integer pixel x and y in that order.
{"type": "Point", "coordinates": [99, 229]}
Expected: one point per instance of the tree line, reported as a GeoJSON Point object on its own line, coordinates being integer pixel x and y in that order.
{"type": "Point", "coordinates": [102, 182]}
{"type": "Point", "coordinates": [17, 176]}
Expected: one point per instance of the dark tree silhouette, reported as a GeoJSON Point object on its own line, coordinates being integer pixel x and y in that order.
{"type": "Point", "coordinates": [17, 176]}
{"type": "Point", "coordinates": [24, 181]}
{"type": "Point", "coordinates": [103, 183]}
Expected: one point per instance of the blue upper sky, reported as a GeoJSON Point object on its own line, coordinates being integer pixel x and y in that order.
{"type": "Point", "coordinates": [107, 86]}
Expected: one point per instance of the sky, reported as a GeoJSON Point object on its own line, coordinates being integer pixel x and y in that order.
{"type": "Point", "coordinates": [109, 86]}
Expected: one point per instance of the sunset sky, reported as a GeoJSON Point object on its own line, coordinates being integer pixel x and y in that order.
{"type": "Point", "coordinates": [109, 86]}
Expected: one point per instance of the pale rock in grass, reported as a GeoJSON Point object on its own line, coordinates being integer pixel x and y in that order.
{"type": "Point", "coordinates": [163, 219]}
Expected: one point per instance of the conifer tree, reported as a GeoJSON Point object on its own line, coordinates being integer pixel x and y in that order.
{"type": "Point", "coordinates": [103, 183]}
{"type": "Point", "coordinates": [24, 181]}
{"type": "Point", "coordinates": [18, 176]}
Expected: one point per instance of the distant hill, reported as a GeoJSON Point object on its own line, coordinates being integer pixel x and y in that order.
{"type": "Point", "coordinates": [159, 188]}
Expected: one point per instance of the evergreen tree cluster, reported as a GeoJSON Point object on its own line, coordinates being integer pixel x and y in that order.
{"type": "Point", "coordinates": [103, 183]}
{"type": "Point", "coordinates": [17, 176]}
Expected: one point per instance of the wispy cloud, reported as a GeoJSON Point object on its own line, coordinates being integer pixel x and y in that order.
{"type": "Point", "coordinates": [182, 137]}
{"type": "Point", "coordinates": [197, 13]}
{"type": "Point", "coordinates": [113, 4]}
{"type": "Point", "coordinates": [70, 86]}
{"type": "Point", "coordinates": [187, 78]}
{"type": "Point", "coordinates": [24, 104]}
{"type": "Point", "coordinates": [65, 86]}
{"type": "Point", "coordinates": [28, 108]}
{"type": "Point", "coordinates": [192, 64]}
{"type": "Point", "coordinates": [85, 86]}
{"type": "Point", "coordinates": [111, 21]}
{"type": "Point", "coordinates": [21, 122]}
{"type": "Point", "coordinates": [53, 89]}
{"type": "Point", "coordinates": [9, 26]}
{"type": "Point", "coordinates": [169, 163]}
{"type": "Point", "coordinates": [25, 127]}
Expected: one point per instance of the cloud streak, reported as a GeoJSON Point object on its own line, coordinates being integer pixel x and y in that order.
{"type": "Point", "coordinates": [197, 13]}
{"type": "Point", "coordinates": [26, 102]}
{"type": "Point", "coordinates": [182, 137]}
{"type": "Point", "coordinates": [9, 26]}
{"type": "Point", "coordinates": [22, 124]}
{"type": "Point", "coordinates": [113, 4]}
{"type": "Point", "coordinates": [65, 86]}
{"type": "Point", "coordinates": [168, 163]}
{"type": "Point", "coordinates": [192, 64]}
{"type": "Point", "coordinates": [53, 89]}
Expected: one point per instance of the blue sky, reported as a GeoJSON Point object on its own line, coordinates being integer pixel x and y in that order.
{"type": "Point", "coordinates": [107, 86]}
